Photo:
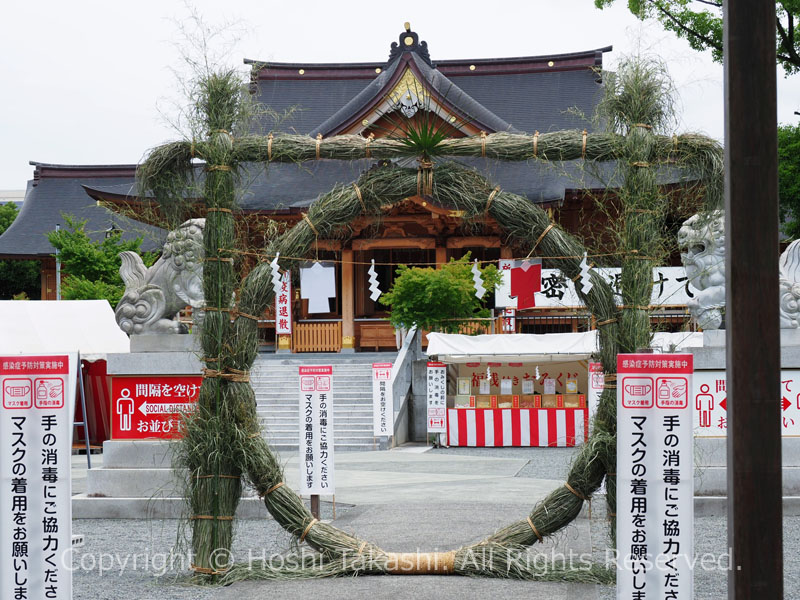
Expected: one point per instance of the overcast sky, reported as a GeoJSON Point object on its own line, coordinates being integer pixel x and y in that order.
{"type": "Point", "coordinates": [83, 80]}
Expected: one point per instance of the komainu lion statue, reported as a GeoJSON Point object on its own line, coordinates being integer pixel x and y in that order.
{"type": "Point", "coordinates": [702, 243]}
{"type": "Point", "coordinates": [701, 239]}
{"type": "Point", "coordinates": [154, 296]}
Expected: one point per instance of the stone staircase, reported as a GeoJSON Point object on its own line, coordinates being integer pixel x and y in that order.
{"type": "Point", "coordinates": [275, 381]}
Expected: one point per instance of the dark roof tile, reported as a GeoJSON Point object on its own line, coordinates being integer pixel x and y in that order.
{"type": "Point", "coordinates": [49, 198]}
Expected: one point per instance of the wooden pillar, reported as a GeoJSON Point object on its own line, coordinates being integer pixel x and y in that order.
{"type": "Point", "coordinates": [752, 325]}
{"type": "Point", "coordinates": [348, 302]}
{"type": "Point", "coordinates": [441, 255]}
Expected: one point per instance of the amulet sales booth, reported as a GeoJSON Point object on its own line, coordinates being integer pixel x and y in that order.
{"type": "Point", "coordinates": [517, 389]}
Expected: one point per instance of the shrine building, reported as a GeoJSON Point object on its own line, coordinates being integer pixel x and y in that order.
{"type": "Point", "coordinates": [462, 97]}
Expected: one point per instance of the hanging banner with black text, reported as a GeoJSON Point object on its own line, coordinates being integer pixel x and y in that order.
{"type": "Point", "coordinates": [316, 430]}
{"type": "Point", "coordinates": [38, 404]}
{"type": "Point", "coordinates": [655, 476]}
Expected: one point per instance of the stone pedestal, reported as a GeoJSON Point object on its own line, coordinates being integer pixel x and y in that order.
{"type": "Point", "coordinates": [137, 481]}
{"type": "Point", "coordinates": [165, 342]}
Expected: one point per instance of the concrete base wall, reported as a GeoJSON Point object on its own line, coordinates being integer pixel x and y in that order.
{"type": "Point", "coordinates": [154, 363]}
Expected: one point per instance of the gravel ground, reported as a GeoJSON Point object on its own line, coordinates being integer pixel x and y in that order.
{"type": "Point", "coordinates": [126, 558]}
{"type": "Point", "coordinates": [99, 575]}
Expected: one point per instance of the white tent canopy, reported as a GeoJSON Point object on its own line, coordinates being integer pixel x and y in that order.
{"type": "Point", "coordinates": [37, 327]}
{"type": "Point", "coordinates": [540, 348]}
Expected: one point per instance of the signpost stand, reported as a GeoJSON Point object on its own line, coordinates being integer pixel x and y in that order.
{"type": "Point", "coordinates": [437, 398]}
{"type": "Point", "coordinates": [316, 433]}
{"type": "Point", "coordinates": [655, 475]}
{"type": "Point", "coordinates": [36, 415]}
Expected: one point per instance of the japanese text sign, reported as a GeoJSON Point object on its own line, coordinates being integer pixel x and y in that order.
{"type": "Point", "coordinates": [382, 403]}
{"type": "Point", "coordinates": [670, 287]}
{"type": "Point", "coordinates": [437, 397]}
{"type": "Point", "coordinates": [710, 399]}
{"type": "Point", "coordinates": [283, 306]}
{"type": "Point", "coordinates": [35, 494]}
{"type": "Point", "coordinates": [596, 387]}
{"type": "Point", "coordinates": [152, 406]}
{"type": "Point", "coordinates": [316, 430]}
{"type": "Point", "coordinates": [655, 479]}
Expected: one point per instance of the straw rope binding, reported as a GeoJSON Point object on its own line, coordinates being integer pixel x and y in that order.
{"type": "Point", "coordinates": [274, 487]}
{"type": "Point", "coordinates": [491, 197]}
{"type": "Point", "coordinates": [422, 563]}
{"type": "Point", "coordinates": [308, 528]}
{"type": "Point", "coordinates": [219, 168]}
{"type": "Point", "coordinates": [269, 147]}
{"type": "Point", "coordinates": [212, 517]}
{"type": "Point", "coordinates": [310, 224]}
{"type": "Point", "coordinates": [207, 571]}
{"type": "Point", "coordinates": [533, 528]}
{"type": "Point", "coordinates": [247, 316]}
{"type": "Point", "coordinates": [319, 141]}
{"type": "Point", "coordinates": [583, 145]}
{"type": "Point", "coordinates": [369, 138]}
{"type": "Point", "coordinates": [541, 237]}
{"type": "Point", "coordinates": [360, 198]}
{"type": "Point", "coordinates": [574, 491]}
{"type": "Point", "coordinates": [535, 143]}
{"type": "Point", "coordinates": [218, 209]}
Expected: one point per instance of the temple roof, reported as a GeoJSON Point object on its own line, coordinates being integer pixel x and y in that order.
{"type": "Point", "coordinates": [544, 93]}
{"type": "Point", "coordinates": [57, 190]}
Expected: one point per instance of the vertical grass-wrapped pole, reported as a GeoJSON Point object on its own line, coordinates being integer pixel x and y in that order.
{"type": "Point", "coordinates": [637, 102]}
{"type": "Point", "coordinates": [211, 442]}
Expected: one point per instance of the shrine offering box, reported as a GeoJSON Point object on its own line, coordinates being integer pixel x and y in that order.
{"type": "Point", "coordinates": [505, 401]}
{"type": "Point", "coordinates": [483, 401]}
{"type": "Point", "coordinates": [550, 400]}
{"type": "Point", "coordinates": [574, 400]}
{"type": "Point", "coordinates": [461, 401]}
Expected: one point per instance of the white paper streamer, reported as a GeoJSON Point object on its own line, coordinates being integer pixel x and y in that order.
{"type": "Point", "coordinates": [586, 280]}
{"type": "Point", "coordinates": [373, 282]}
{"type": "Point", "coordinates": [476, 277]}
{"type": "Point", "coordinates": [276, 274]}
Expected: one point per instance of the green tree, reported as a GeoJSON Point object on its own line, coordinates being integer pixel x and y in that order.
{"type": "Point", "coordinates": [700, 23]}
{"type": "Point", "coordinates": [17, 276]}
{"type": "Point", "coordinates": [93, 267]}
{"type": "Point", "coordinates": [789, 178]}
{"type": "Point", "coordinates": [438, 299]}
